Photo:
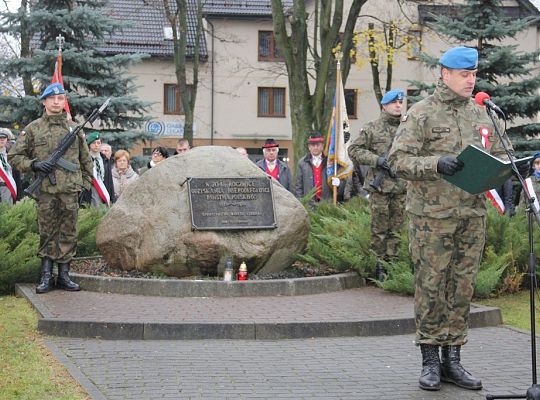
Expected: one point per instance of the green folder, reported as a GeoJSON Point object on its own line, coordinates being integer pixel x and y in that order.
{"type": "Point", "coordinates": [482, 171]}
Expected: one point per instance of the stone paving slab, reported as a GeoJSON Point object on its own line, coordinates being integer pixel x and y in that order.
{"type": "Point", "coordinates": [360, 368]}
{"type": "Point", "coordinates": [365, 311]}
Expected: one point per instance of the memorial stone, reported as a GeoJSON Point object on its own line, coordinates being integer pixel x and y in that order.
{"type": "Point", "coordinates": [151, 226]}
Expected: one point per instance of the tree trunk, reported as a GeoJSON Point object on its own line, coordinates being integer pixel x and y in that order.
{"type": "Point", "coordinates": [26, 35]}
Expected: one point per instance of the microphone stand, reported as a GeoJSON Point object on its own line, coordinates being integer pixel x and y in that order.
{"type": "Point", "coordinates": [533, 393]}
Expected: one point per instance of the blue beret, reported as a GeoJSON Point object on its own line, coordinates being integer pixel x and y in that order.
{"type": "Point", "coordinates": [92, 137]}
{"type": "Point", "coordinates": [460, 58]}
{"type": "Point", "coordinates": [392, 95]}
{"type": "Point", "coordinates": [52, 89]}
{"type": "Point", "coordinates": [535, 156]}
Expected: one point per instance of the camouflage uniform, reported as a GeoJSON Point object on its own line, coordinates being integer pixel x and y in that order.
{"type": "Point", "coordinates": [58, 204]}
{"type": "Point", "coordinates": [447, 224]}
{"type": "Point", "coordinates": [387, 210]}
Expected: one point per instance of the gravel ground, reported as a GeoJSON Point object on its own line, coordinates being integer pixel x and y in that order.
{"type": "Point", "coordinates": [96, 266]}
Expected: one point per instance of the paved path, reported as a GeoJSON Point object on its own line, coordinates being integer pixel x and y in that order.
{"type": "Point", "coordinates": [378, 361]}
{"type": "Point", "coordinates": [365, 311]}
{"type": "Point", "coordinates": [368, 368]}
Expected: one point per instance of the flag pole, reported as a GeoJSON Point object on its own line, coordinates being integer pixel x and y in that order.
{"type": "Point", "coordinates": [337, 121]}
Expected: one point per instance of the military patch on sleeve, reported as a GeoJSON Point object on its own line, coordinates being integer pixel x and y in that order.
{"type": "Point", "coordinates": [404, 118]}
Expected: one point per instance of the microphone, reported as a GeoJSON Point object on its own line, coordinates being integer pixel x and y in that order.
{"type": "Point", "coordinates": [483, 99]}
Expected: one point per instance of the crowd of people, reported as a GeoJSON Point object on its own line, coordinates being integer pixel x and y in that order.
{"type": "Point", "coordinates": [400, 160]}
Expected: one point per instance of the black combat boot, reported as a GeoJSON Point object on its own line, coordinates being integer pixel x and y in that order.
{"type": "Point", "coordinates": [380, 272]}
{"type": "Point", "coordinates": [430, 377]}
{"type": "Point", "coordinates": [46, 281]}
{"type": "Point", "coordinates": [63, 281]}
{"type": "Point", "coordinates": [452, 371]}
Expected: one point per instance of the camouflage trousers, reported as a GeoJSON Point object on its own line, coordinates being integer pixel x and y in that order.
{"type": "Point", "coordinates": [446, 255]}
{"type": "Point", "coordinates": [387, 217]}
{"type": "Point", "coordinates": [57, 222]}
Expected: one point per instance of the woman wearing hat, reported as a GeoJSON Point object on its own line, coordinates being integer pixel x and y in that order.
{"type": "Point", "coordinates": [273, 166]}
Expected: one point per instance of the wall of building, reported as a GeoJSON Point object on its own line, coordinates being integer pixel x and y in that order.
{"type": "Point", "coordinates": [237, 73]}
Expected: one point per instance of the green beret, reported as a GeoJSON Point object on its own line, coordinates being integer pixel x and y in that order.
{"type": "Point", "coordinates": [92, 137]}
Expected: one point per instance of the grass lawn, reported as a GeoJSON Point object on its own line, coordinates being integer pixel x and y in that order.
{"type": "Point", "coordinates": [515, 309]}
{"type": "Point", "coordinates": [27, 370]}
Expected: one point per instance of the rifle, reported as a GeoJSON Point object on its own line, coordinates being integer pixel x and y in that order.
{"type": "Point", "coordinates": [56, 157]}
{"type": "Point", "coordinates": [376, 183]}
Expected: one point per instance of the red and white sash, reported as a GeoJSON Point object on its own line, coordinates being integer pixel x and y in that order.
{"type": "Point", "coordinates": [100, 188]}
{"type": "Point", "coordinates": [9, 181]}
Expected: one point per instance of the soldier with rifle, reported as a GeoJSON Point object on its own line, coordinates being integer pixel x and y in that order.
{"type": "Point", "coordinates": [54, 148]}
{"type": "Point", "coordinates": [387, 193]}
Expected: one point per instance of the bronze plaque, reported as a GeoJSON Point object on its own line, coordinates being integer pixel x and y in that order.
{"type": "Point", "coordinates": [231, 203]}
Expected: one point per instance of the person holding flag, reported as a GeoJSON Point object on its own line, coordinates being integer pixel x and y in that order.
{"type": "Point", "coordinates": [58, 201]}
{"type": "Point", "coordinates": [387, 193]}
{"type": "Point", "coordinates": [311, 171]}
{"type": "Point", "coordinates": [8, 186]}
{"type": "Point", "coordinates": [339, 166]}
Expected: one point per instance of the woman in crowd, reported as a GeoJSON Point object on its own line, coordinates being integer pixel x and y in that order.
{"type": "Point", "coordinates": [158, 154]}
{"type": "Point", "coordinates": [122, 173]}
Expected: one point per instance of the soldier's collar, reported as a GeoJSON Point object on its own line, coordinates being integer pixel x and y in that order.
{"type": "Point", "coordinates": [447, 95]}
{"type": "Point", "coordinates": [392, 120]}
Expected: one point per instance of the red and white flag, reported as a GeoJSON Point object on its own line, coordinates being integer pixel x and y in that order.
{"type": "Point", "coordinates": [492, 195]}
{"type": "Point", "coordinates": [530, 190]}
{"type": "Point", "coordinates": [57, 78]}
{"type": "Point", "coordinates": [9, 181]}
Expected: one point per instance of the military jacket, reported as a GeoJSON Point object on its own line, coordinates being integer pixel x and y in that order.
{"type": "Point", "coordinates": [441, 124]}
{"type": "Point", "coordinates": [374, 141]}
{"type": "Point", "coordinates": [36, 143]}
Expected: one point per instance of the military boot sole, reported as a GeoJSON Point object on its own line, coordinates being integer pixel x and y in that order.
{"type": "Point", "coordinates": [69, 289]}
{"type": "Point", "coordinates": [461, 385]}
{"type": "Point", "coordinates": [430, 387]}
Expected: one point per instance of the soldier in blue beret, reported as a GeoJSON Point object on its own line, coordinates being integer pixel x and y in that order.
{"type": "Point", "coordinates": [386, 191]}
{"type": "Point", "coordinates": [446, 224]}
{"type": "Point", "coordinates": [58, 206]}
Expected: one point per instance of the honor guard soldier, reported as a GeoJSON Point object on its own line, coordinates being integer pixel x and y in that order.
{"type": "Point", "coordinates": [446, 224]}
{"type": "Point", "coordinates": [387, 193]}
{"type": "Point", "coordinates": [58, 203]}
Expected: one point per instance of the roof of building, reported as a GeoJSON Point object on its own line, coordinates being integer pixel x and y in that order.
{"type": "Point", "coordinates": [148, 29]}
{"type": "Point", "coordinates": [147, 22]}
{"type": "Point", "coordinates": [241, 8]}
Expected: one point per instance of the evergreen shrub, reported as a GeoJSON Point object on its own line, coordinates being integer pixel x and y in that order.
{"type": "Point", "coordinates": [504, 262]}
{"type": "Point", "coordinates": [340, 237]}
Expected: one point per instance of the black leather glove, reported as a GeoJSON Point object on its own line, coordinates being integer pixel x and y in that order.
{"type": "Point", "coordinates": [524, 169]}
{"type": "Point", "coordinates": [382, 163]}
{"type": "Point", "coordinates": [449, 165]}
{"type": "Point", "coordinates": [42, 166]}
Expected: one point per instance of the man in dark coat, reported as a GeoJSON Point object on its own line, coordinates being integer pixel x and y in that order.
{"type": "Point", "coordinates": [273, 166]}
{"type": "Point", "coordinates": [311, 172]}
